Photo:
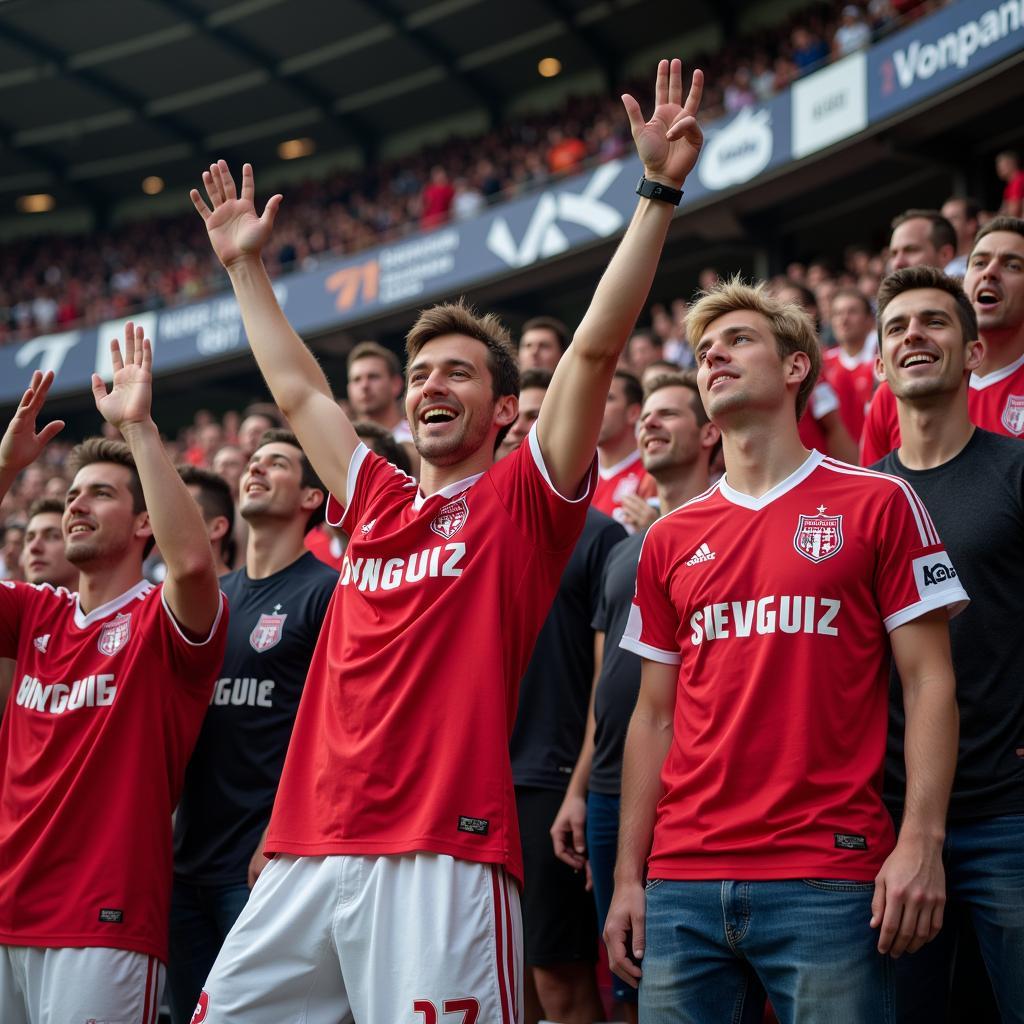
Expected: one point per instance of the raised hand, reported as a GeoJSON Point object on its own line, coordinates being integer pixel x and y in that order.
{"type": "Point", "coordinates": [131, 396]}
{"type": "Point", "coordinates": [21, 445]}
{"type": "Point", "coordinates": [669, 143]}
{"type": "Point", "coordinates": [236, 231]}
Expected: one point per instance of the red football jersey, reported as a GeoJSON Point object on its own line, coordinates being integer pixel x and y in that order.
{"type": "Point", "coordinates": [328, 548]}
{"type": "Point", "coordinates": [103, 715]}
{"type": "Point", "coordinates": [777, 610]}
{"type": "Point", "coordinates": [615, 482]}
{"type": "Point", "coordinates": [995, 402]}
{"type": "Point", "coordinates": [401, 739]}
{"type": "Point", "coordinates": [823, 400]}
{"type": "Point", "coordinates": [854, 381]}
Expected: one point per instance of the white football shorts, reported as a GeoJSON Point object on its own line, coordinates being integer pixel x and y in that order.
{"type": "Point", "coordinates": [94, 985]}
{"type": "Point", "coordinates": [420, 938]}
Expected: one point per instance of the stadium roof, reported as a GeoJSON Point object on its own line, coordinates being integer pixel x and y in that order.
{"type": "Point", "coordinates": [98, 96]}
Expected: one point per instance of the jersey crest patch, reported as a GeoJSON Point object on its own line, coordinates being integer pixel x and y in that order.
{"type": "Point", "coordinates": [818, 537]}
{"type": "Point", "coordinates": [450, 519]}
{"type": "Point", "coordinates": [202, 1008]}
{"type": "Point", "coordinates": [1013, 415]}
{"type": "Point", "coordinates": [626, 486]}
{"type": "Point", "coordinates": [114, 635]}
{"type": "Point", "coordinates": [267, 632]}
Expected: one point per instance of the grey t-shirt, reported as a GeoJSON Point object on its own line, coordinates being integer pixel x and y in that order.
{"type": "Point", "coordinates": [977, 503]}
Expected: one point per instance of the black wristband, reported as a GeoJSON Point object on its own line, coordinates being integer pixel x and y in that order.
{"type": "Point", "coordinates": [655, 190]}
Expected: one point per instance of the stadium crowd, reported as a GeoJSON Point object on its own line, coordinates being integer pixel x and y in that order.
{"type": "Point", "coordinates": [567, 747]}
{"type": "Point", "coordinates": [282, 542]}
{"type": "Point", "coordinates": [61, 281]}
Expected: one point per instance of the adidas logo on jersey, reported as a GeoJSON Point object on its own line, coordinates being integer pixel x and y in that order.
{"type": "Point", "coordinates": [367, 527]}
{"type": "Point", "coordinates": [702, 554]}
{"type": "Point", "coordinates": [41, 642]}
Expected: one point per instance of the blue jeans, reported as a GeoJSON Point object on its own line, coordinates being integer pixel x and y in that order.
{"type": "Point", "coordinates": [602, 844]}
{"type": "Point", "coordinates": [201, 917]}
{"type": "Point", "coordinates": [985, 882]}
{"type": "Point", "coordinates": [715, 948]}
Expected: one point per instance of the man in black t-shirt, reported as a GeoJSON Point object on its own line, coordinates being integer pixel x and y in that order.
{"type": "Point", "coordinates": [677, 444]}
{"type": "Point", "coordinates": [972, 483]}
{"type": "Point", "coordinates": [559, 922]}
{"type": "Point", "coordinates": [278, 601]}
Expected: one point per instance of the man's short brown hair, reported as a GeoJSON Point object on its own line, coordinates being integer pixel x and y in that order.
{"type": "Point", "coordinates": [849, 292]}
{"type": "Point", "coordinates": [214, 500]}
{"type": "Point", "coordinates": [548, 323]}
{"type": "Point", "coordinates": [680, 379]}
{"type": "Point", "coordinates": [535, 377]}
{"type": "Point", "coordinates": [372, 350]}
{"type": "Point", "coordinates": [791, 326]}
{"type": "Point", "coordinates": [632, 389]}
{"type": "Point", "coordinates": [103, 449]}
{"type": "Point", "coordinates": [942, 232]}
{"type": "Point", "coordinates": [911, 279]}
{"type": "Point", "coordinates": [381, 441]}
{"type": "Point", "coordinates": [1015, 225]}
{"type": "Point", "coordinates": [461, 318]}
{"type": "Point", "coordinates": [45, 506]}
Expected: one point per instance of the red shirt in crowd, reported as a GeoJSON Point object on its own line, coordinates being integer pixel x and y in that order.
{"type": "Point", "coordinates": [566, 155]}
{"type": "Point", "coordinates": [328, 548]}
{"type": "Point", "coordinates": [777, 611]}
{"type": "Point", "coordinates": [437, 201]}
{"type": "Point", "coordinates": [853, 378]}
{"type": "Point", "coordinates": [401, 739]}
{"type": "Point", "coordinates": [615, 482]}
{"type": "Point", "coordinates": [103, 715]}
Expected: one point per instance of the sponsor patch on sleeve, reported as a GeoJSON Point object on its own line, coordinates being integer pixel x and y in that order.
{"type": "Point", "coordinates": [933, 573]}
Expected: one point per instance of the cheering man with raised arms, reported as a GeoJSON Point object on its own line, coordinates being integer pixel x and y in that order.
{"type": "Point", "coordinates": [112, 684]}
{"type": "Point", "coordinates": [394, 835]}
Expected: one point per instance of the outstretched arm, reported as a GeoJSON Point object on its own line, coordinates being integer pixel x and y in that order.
{"type": "Point", "coordinates": [570, 418]}
{"type": "Point", "coordinates": [291, 371]}
{"type": "Point", "coordinates": [190, 590]}
{"type": "Point", "coordinates": [21, 445]}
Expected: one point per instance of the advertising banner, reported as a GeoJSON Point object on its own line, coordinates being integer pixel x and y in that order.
{"type": "Point", "coordinates": [937, 52]}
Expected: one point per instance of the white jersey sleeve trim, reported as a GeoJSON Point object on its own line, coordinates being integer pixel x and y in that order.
{"type": "Point", "coordinates": [926, 528]}
{"type": "Point", "coordinates": [651, 653]}
{"type": "Point", "coordinates": [354, 465]}
{"type": "Point", "coordinates": [954, 599]}
{"type": "Point", "coordinates": [538, 458]}
{"type": "Point", "coordinates": [630, 640]}
{"type": "Point", "coordinates": [178, 629]}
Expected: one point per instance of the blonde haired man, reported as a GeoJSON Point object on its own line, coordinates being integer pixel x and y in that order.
{"type": "Point", "coordinates": [764, 612]}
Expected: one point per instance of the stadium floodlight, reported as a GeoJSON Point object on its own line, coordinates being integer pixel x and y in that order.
{"type": "Point", "coordinates": [152, 185]}
{"type": "Point", "coordinates": [548, 67]}
{"type": "Point", "coordinates": [292, 149]}
{"type": "Point", "coordinates": [40, 202]}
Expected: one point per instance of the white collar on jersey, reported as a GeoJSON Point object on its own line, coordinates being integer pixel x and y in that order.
{"type": "Point", "coordinates": [979, 383]}
{"type": "Point", "coordinates": [607, 474]}
{"type": "Point", "coordinates": [865, 355]}
{"type": "Point", "coordinates": [84, 621]}
{"type": "Point", "coordinates": [449, 491]}
{"type": "Point", "coordinates": [801, 473]}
